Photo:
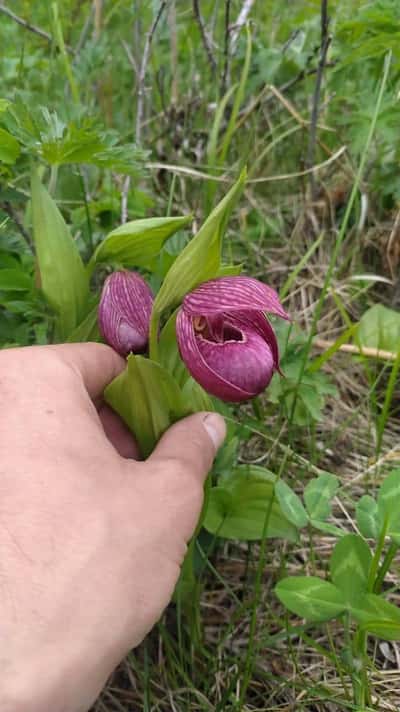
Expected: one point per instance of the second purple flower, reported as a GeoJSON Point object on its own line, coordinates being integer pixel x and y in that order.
{"type": "Point", "coordinates": [124, 312]}
{"type": "Point", "coordinates": [225, 339]}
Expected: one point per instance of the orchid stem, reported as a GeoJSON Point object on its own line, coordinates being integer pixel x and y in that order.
{"type": "Point", "coordinates": [153, 337]}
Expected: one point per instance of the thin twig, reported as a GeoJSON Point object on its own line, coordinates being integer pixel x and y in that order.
{"type": "Point", "coordinates": [27, 25]}
{"type": "Point", "coordinates": [131, 58]}
{"type": "Point", "coordinates": [140, 101]}
{"type": "Point", "coordinates": [324, 345]}
{"type": "Point", "coordinates": [204, 36]}
{"type": "Point", "coordinates": [98, 13]}
{"type": "Point", "coordinates": [7, 207]}
{"type": "Point", "coordinates": [193, 173]}
{"type": "Point", "coordinates": [325, 42]}
{"type": "Point", "coordinates": [240, 22]}
{"type": "Point", "coordinates": [226, 46]}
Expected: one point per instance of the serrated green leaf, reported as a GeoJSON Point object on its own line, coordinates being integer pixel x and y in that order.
{"type": "Point", "coordinates": [377, 616]}
{"type": "Point", "coordinates": [64, 280]}
{"type": "Point", "coordinates": [148, 400]}
{"type": "Point", "coordinates": [9, 147]}
{"type": "Point", "coordinates": [350, 566]}
{"type": "Point", "coordinates": [291, 504]}
{"type": "Point", "coordinates": [367, 516]}
{"type": "Point", "coordinates": [318, 495]}
{"type": "Point", "coordinates": [137, 243]}
{"type": "Point", "coordinates": [311, 598]}
{"type": "Point", "coordinates": [238, 509]}
{"type": "Point", "coordinates": [201, 258]}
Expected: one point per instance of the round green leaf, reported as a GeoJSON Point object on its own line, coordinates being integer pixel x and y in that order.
{"type": "Point", "coordinates": [311, 598]}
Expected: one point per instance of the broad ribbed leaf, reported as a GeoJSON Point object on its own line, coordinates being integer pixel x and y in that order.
{"type": "Point", "coordinates": [350, 565]}
{"type": "Point", "coordinates": [63, 277]}
{"type": "Point", "coordinates": [240, 507]}
{"type": "Point", "coordinates": [137, 243]}
{"type": "Point", "coordinates": [311, 598]}
{"type": "Point", "coordinates": [148, 400]}
{"type": "Point", "coordinates": [201, 258]}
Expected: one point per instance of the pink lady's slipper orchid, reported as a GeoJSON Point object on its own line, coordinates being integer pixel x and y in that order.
{"type": "Point", "coordinates": [124, 312]}
{"type": "Point", "coordinates": [225, 339]}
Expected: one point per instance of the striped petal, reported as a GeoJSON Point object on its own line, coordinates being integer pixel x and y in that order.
{"type": "Point", "coordinates": [232, 294]}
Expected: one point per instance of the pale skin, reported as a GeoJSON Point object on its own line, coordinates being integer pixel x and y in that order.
{"type": "Point", "coordinates": [91, 540]}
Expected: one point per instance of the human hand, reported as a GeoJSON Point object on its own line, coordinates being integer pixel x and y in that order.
{"type": "Point", "coordinates": [91, 542]}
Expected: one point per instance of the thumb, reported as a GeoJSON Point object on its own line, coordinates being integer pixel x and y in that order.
{"type": "Point", "coordinates": [193, 442]}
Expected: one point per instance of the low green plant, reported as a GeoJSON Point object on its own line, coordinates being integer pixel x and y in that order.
{"type": "Point", "coordinates": [352, 591]}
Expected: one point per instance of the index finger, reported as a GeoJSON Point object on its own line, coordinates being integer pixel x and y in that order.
{"type": "Point", "coordinates": [96, 364]}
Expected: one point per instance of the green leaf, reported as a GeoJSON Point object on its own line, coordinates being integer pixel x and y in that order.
{"type": "Point", "coordinates": [367, 516]}
{"type": "Point", "coordinates": [194, 394]}
{"type": "Point", "coordinates": [327, 528]}
{"type": "Point", "coordinates": [201, 258]}
{"type": "Point", "coordinates": [63, 277]}
{"type": "Point", "coordinates": [377, 616]}
{"type": "Point", "coordinates": [9, 147]}
{"type": "Point", "coordinates": [137, 243]}
{"type": "Point", "coordinates": [388, 503]}
{"type": "Point", "coordinates": [169, 355]}
{"type": "Point", "coordinates": [15, 280]}
{"type": "Point", "coordinates": [148, 400]}
{"type": "Point", "coordinates": [291, 504]}
{"type": "Point", "coordinates": [318, 495]}
{"type": "Point", "coordinates": [350, 566]}
{"type": "Point", "coordinates": [230, 270]}
{"type": "Point", "coordinates": [239, 508]}
{"type": "Point", "coordinates": [311, 598]}
{"type": "Point", "coordinates": [88, 329]}
{"type": "Point", "coordinates": [379, 328]}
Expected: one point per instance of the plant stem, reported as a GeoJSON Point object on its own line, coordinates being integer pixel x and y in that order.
{"type": "Point", "coordinates": [385, 566]}
{"type": "Point", "coordinates": [153, 337]}
{"type": "Point", "coordinates": [53, 179]}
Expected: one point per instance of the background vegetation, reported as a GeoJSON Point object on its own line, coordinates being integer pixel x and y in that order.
{"type": "Point", "coordinates": [137, 109]}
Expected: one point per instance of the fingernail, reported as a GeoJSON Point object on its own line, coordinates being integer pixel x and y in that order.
{"type": "Point", "coordinates": [216, 428]}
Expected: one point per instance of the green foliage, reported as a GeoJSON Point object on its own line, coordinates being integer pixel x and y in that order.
{"type": "Point", "coordinates": [137, 243]}
{"type": "Point", "coordinates": [379, 328]}
{"type": "Point", "coordinates": [309, 396]}
{"type": "Point", "coordinates": [44, 133]}
{"type": "Point", "coordinates": [244, 507]}
{"type": "Point", "coordinates": [148, 400]}
{"type": "Point", "coordinates": [356, 573]}
{"type": "Point", "coordinates": [311, 598]}
{"type": "Point", "coordinates": [201, 258]}
{"type": "Point", "coordinates": [61, 271]}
